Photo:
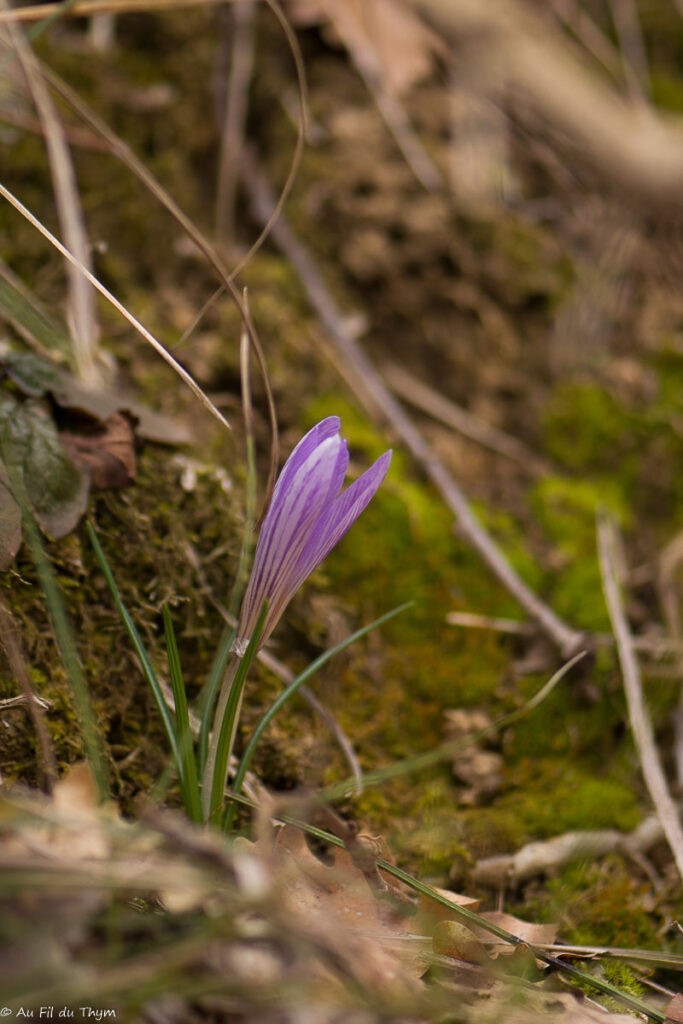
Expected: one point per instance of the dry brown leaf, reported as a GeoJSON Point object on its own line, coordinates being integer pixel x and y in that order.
{"type": "Point", "coordinates": [437, 912]}
{"type": "Point", "coordinates": [459, 942]}
{"type": "Point", "coordinates": [69, 828]}
{"type": "Point", "coordinates": [10, 521]}
{"type": "Point", "coordinates": [384, 33]}
{"type": "Point", "coordinates": [550, 1008]}
{"type": "Point", "coordinates": [374, 937]}
{"type": "Point", "coordinates": [106, 451]}
{"type": "Point", "coordinates": [674, 1011]}
{"type": "Point", "coordinates": [534, 934]}
{"type": "Point", "coordinates": [76, 792]}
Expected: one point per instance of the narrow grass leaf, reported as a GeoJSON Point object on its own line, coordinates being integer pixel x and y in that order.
{"type": "Point", "coordinates": [187, 766]}
{"type": "Point", "coordinates": [29, 318]}
{"type": "Point", "coordinates": [418, 763]}
{"type": "Point", "coordinates": [136, 640]}
{"type": "Point", "coordinates": [481, 922]}
{"type": "Point", "coordinates": [229, 721]}
{"type": "Point", "coordinates": [207, 703]}
{"type": "Point", "coordinates": [292, 689]}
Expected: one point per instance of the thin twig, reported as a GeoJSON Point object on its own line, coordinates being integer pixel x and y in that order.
{"type": "Point", "coordinates": [232, 134]}
{"type": "Point", "coordinates": [549, 855]}
{"type": "Point", "coordinates": [669, 596]}
{"type": "Point", "coordinates": [594, 40]}
{"type": "Point", "coordinates": [654, 646]}
{"type": "Point", "coordinates": [21, 701]}
{"type": "Point", "coordinates": [125, 154]}
{"type": "Point", "coordinates": [83, 323]}
{"type": "Point", "coordinates": [633, 53]}
{"type": "Point", "coordinates": [132, 320]}
{"type": "Point", "coordinates": [359, 370]}
{"type": "Point", "coordinates": [641, 725]}
{"type": "Point", "coordinates": [641, 157]}
{"type": "Point", "coordinates": [391, 111]}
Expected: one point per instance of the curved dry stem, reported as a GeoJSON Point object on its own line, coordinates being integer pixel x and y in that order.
{"type": "Point", "coordinates": [125, 313]}
{"type": "Point", "coordinates": [124, 153]}
{"type": "Point", "coordinates": [641, 724]}
{"type": "Point", "coordinates": [638, 156]}
{"type": "Point", "coordinates": [83, 324]}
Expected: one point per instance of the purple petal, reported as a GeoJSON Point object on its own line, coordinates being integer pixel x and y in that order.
{"type": "Point", "coordinates": [308, 515]}
{"type": "Point", "coordinates": [314, 478]}
{"type": "Point", "coordinates": [331, 527]}
{"type": "Point", "coordinates": [304, 449]}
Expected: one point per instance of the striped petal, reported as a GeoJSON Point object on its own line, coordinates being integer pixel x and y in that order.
{"type": "Point", "coordinates": [307, 516]}
{"type": "Point", "coordinates": [314, 476]}
{"type": "Point", "coordinates": [328, 531]}
{"type": "Point", "coordinates": [305, 448]}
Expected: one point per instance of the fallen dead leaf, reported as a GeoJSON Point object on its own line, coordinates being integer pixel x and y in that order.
{"type": "Point", "coordinates": [80, 834]}
{"type": "Point", "coordinates": [459, 942]}
{"type": "Point", "coordinates": [37, 378]}
{"type": "Point", "coordinates": [385, 33]}
{"type": "Point", "coordinates": [534, 934]}
{"type": "Point", "coordinates": [10, 521]}
{"type": "Point", "coordinates": [504, 1004]}
{"type": "Point", "coordinates": [106, 451]}
{"type": "Point", "coordinates": [437, 912]}
{"type": "Point", "coordinates": [674, 1011]}
{"type": "Point", "coordinates": [372, 934]}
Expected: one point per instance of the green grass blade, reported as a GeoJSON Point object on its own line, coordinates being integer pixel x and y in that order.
{"type": "Point", "coordinates": [189, 781]}
{"type": "Point", "coordinates": [292, 689]}
{"type": "Point", "coordinates": [29, 318]}
{"type": "Point", "coordinates": [207, 704]}
{"type": "Point", "coordinates": [469, 917]}
{"type": "Point", "coordinates": [136, 640]}
{"type": "Point", "coordinates": [228, 723]}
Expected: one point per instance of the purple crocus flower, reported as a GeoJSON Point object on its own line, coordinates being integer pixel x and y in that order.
{"type": "Point", "coordinates": [308, 516]}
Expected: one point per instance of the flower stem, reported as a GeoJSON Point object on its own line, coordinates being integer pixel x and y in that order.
{"type": "Point", "coordinates": [216, 735]}
{"type": "Point", "coordinates": [225, 726]}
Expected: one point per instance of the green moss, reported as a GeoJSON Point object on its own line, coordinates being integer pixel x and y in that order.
{"type": "Point", "coordinates": [667, 91]}
{"type": "Point", "coordinates": [586, 428]}
{"type": "Point", "coordinates": [566, 509]}
{"type": "Point", "coordinates": [600, 904]}
{"type": "Point", "coordinates": [377, 565]}
{"type": "Point", "coordinates": [146, 533]}
{"type": "Point", "coordinates": [550, 799]}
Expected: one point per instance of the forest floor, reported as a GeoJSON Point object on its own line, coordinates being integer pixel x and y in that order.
{"type": "Point", "coordinates": [506, 317]}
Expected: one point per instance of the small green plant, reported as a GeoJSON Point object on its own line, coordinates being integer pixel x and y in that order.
{"type": "Point", "coordinates": [308, 515]}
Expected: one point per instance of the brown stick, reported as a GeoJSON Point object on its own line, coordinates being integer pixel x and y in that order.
{"type": "Point", "coordinates": [641, 157]}
{"type": "Point", "coordinates": [84, 8]}
{"type": "Point", "coordinates": [641, 725]}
